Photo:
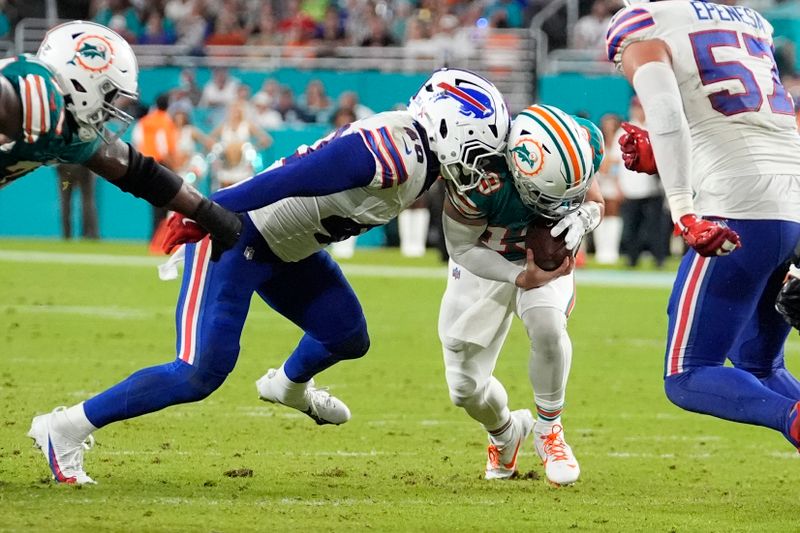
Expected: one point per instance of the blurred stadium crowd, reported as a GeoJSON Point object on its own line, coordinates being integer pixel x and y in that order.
{"type": "Point", "coordinates": [282, 22]}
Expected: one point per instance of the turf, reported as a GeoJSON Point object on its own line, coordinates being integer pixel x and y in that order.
{"type": "Point", "coordinates": [408, 461]}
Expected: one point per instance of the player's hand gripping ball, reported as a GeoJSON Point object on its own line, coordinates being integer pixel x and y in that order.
{"type": "Point", "coordinates": [548, 252]}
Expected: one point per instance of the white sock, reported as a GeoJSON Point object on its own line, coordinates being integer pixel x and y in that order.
{"type": "Point", "coordinates": [344, 249]}
{"type": "Point", "coordinates": [606, 240]}
{"type": "Point", "coordinates": [73, 423]}
{"type": "Point", "coordinates": [420, 222]}
{"type": "Point", "coordinates": [504, 433]}
{"type": "Point", "coordinates": [290, 393]}
{"type": "Point", "coordinates": [413, 227]}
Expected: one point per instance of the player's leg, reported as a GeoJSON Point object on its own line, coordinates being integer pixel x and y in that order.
{"type": "Point", "coordinates": [656, 228]}
{"type": "Point", "coordinates": [710, 306]}
{"type": "Point", "coordinates": [90, 228]}
{"type": "Point", "coordinates": [760, 347]}
{"type": "Point", "coordinates": [473, 323]}
{"type": "Point", "coordinates": [65, 188]}
{"type": "Point", "coordinates": [544, 312]}
{"type": "Point", "coordinates": [211, 310]}
{"type": "Point", "coordinates": [315, 295]}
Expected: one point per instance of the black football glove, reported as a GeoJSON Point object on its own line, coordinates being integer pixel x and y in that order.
{"type": "Point", "coordinates": [788, 301]}
{"type": "Point", "coordinates": [224, 226]}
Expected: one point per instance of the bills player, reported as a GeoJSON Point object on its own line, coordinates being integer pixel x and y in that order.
{"type": "Point", "coordinates": [359, 177]}
{"type": "Point", "coordinates": [723, 139]}
{"type": "Point", "coordinates": [550, 161]}
{"type": "Point", "coordinates": [59, 106]}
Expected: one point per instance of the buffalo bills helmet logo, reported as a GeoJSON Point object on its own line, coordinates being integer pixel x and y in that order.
{"type": "Point", "coordinates": [474, 102]}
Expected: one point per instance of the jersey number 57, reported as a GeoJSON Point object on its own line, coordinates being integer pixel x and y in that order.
{"type": "Point", "coordinates": [755, 67]}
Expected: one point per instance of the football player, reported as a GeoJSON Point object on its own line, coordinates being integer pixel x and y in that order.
{"type": "Point", "coordinates": [551, 159]}
{"type": "Point", "coordinates": [59, 106]}
{"type": "Point", "coordinates": [723, 138]}
{"type": "Point", "coordinates": [360, 176]}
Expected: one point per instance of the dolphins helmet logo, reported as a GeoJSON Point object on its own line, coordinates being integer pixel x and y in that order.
{"type": "Point", "coordinates": [93, 53]}
{"type": "Point", "coordinates": [474, 102]}
{"type": "Point", "coordinates": [528, 156]}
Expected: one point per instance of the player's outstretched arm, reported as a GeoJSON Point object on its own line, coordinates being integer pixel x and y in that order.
{"type": "Point", "coordinates": [10, 112]}
{"type": "Point", "coordinates": [344, 163]}
{"type": "Point", "coordinates": [128, 169]}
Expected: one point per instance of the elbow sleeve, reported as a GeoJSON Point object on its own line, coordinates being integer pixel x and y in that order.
{"type": "Point", "coordinates": [147, 179]}
{"type": "Point", "coordinates": [658, 91]}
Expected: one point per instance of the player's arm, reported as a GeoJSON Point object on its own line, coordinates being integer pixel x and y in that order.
{"type": "Point", "coordinates": [10, 111]}
{"type": "Point", "coordinates": [126, 168]}
{"type": "Point", "coordinates": [344, 163]}
{"type": "Point", "coordinates": [584, 219]}
{"type": "Point", "coordinates": [462, 238]}
{"type": "Point", "coordinates": [648, 66]}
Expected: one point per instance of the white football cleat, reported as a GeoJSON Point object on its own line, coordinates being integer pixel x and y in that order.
{"type": "Point", "coordinates": [319, 404]}
{"type": "Point", "coordinates": [501, 462]}
{"type": "Point", "coordinates": [64, 455]}
{"type": "Point", "coordinates": [560, 465]}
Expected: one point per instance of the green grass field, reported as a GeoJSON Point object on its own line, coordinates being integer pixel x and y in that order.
{"type": "Point", "coordinates": [407, 461]}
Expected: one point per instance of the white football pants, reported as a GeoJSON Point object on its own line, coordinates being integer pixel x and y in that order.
{"type": "Point", "coordinates": [474, 320]}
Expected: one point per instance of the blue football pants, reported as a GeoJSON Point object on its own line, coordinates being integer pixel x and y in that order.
{"type": "Point", "coordinates": [210, 314]}
{"type": "Point", "coordinates": [724, 308]}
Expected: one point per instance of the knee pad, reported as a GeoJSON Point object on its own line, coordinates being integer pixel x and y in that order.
{"type": "Point", "coordinates": [462, 387]}
{"type": "Point", "coordinates": [355, 346]}
{"type": "Point", "coordinates": [545, 327]}
{"type": "Point", "coordinates": [194, 384]}
{"type": "Point", "coordinates": [464, 394]}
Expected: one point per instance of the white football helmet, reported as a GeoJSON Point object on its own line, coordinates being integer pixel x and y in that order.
{"type": "Point", "coordinates": [93, 66]}
{"type": "Point", "coordinates": [466, 121]}
{"type": "Point", "coordinates": [550, 160]}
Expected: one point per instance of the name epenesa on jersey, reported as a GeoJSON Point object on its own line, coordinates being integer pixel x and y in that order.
{"type": "Point", "coordinates": [745, 15]}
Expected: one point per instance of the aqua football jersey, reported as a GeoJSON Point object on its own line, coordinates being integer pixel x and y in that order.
{"type": "Point", "coordinates": [497, 200]}
{"type": "Point", "coordinates": [49, 134]}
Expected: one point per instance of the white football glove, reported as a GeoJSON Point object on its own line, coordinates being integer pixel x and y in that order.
{"type": "Point", "coordinates": [578, 223]}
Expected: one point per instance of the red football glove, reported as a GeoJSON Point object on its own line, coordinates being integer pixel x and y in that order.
{"type": "Point", "coordinates": [181, 230]}
{"type": "Point", "coordinates": [709, 238]}
{"type": "Point", "coordinates": [637, 152]}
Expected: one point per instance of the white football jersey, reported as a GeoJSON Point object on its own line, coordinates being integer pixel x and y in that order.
{"type": "Point", "coordinates": [745, 144]}
{"type": "Point", "coordinates": [297, 227]}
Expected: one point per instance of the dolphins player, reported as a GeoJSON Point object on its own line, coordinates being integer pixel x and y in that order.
{"type": "Point", "coordinates": [57, 107]}
{"type": "Point", "coordinates": [723, 138]}
{"type": "Point", "coordinates": [551, 159]}
{"type": "Point", "coordinates": [359, 177]}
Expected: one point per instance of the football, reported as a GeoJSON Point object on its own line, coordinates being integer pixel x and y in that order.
{"type": "Point", "coordinates": [548, 251]}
